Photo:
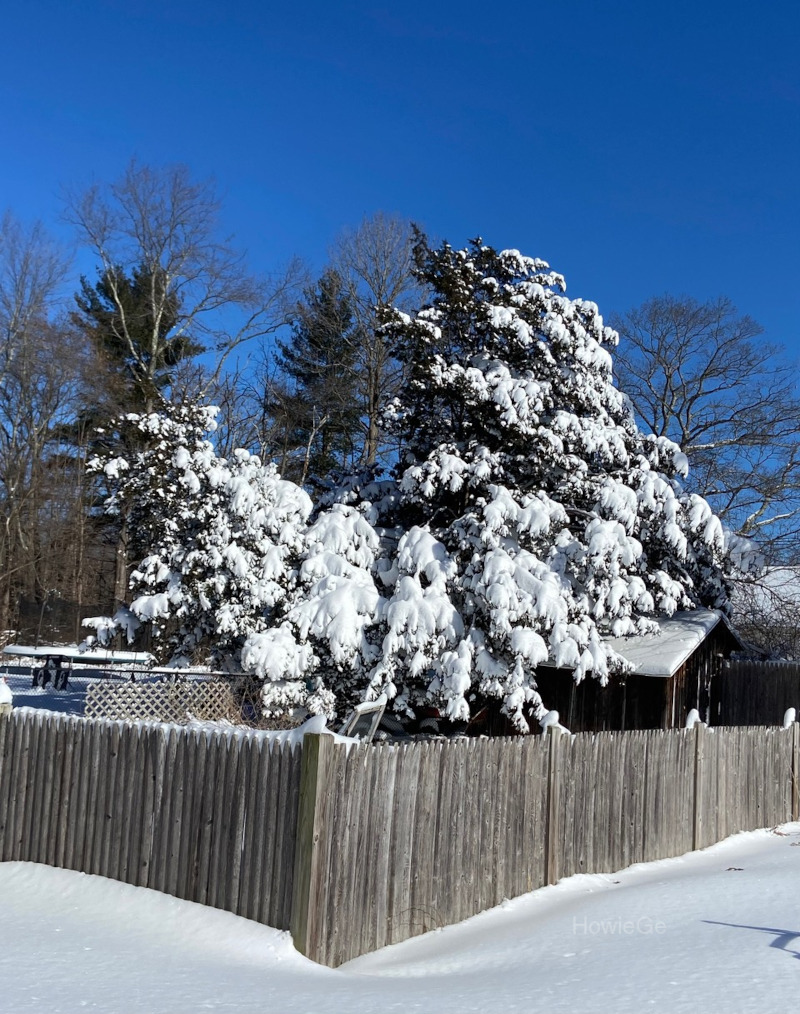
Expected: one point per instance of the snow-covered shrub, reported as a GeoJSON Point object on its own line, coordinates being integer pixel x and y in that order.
{"type": "Point", "coordinates": [219, 538]}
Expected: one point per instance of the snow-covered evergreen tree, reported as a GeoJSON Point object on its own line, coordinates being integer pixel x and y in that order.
{"type": "Point", "coordinates": [536, 517]}
{"type": "Point", "coordinates": [217, 540]}
{"type": "Point", "coordinates": [527, 517]}
{"type": "Point", "coordinates": [329, 632]}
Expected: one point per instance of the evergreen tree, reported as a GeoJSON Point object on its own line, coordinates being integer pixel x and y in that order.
{"type": "Point", "coordinates": [320, 410]}
{"type": "Point", "coordinates": [328, 630]}
{"type": "Point", "coordinates": [215, 540]}
{"type": "Point", "coordinates": [527, 517]}
{"type": "Point", "coordinates": [132, 323]}
{"type": "Point", "coordinates": [129, 320]}
{"type": "Point", "coordinates": [534, 511]}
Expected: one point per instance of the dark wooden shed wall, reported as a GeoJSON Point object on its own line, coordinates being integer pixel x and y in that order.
{"type": "Point", "coordinates": [635, 701]}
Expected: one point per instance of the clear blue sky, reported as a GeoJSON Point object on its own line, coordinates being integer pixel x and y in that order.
{"type": "Point", "coordinates": [639, 147]}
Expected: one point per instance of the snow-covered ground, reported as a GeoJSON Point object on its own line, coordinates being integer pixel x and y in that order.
{"type": "Point", "coordinates": [69, 702]}
{"type": "Point", "coordinates": [713, 931]}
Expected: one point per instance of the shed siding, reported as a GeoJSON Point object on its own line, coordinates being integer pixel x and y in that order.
{"type": "Point", "coordinates": [639, 702]}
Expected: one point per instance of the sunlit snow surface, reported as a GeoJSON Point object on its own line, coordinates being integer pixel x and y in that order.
{"type": "Point", "coordinates": [716, 931]}
{"type": "Point", "coordinates": [662, 654]}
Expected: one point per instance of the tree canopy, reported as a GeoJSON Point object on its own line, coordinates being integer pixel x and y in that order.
{"type": "Point", "coordinates": [319, 409]}
{"type": "Point", "coordinates": [130, 321]}
{"type": "Point", "coordinates": [526, 518]}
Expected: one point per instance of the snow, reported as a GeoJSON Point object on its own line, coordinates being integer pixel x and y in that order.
{"type": "Point", "coordinates": [316, 725]}
{"type": "Point", "coordinates": [525, 517]}
{"type": "Point", "coordinates": [77, 653]}
{"type": "Point", "coordinates": [69, 702]}
{"type": "Point", "coordinates": [662, 654]}
{"type": "Point", "coordinates": [550, 721]}
{"type": "Point", "coordinates": [710, 931]}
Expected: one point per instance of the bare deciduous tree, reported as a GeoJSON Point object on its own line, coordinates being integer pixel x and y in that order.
{"type": "Point", "coordinates": [32, 268]}
{"type": "Point", "coordinates": [156, 230]}
{"type": "Point", "coordinates": [701, 374]}
{"type": "Point", "coordinates": [164, 225]}
{"type": "Point", "coordinates": [43, 372]}
{"type": "Point", "coordinates": [767, 611]}
{"type": "Point", "coordinates": [376, 261]}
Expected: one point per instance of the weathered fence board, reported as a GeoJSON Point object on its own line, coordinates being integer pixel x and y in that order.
{"type": "Point", "coordinates": [148, 805]}
{"type": "Point", "coordinates": [415, 837]}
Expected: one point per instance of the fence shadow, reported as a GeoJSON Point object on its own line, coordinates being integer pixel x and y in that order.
{"type": "Point", "coordinates": [783, 938]}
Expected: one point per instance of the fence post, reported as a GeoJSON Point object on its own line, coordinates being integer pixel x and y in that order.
{"type": "Point", "coordinates": [795, 770]}
{"type": "Point", "coordinates": [553, 793]}
{"type": "Point", "coordinates": [5, 732]}
{"type": "Point", "coordinates": [697, 826]}
{"type": "Point", "coordinates": [308, 877]}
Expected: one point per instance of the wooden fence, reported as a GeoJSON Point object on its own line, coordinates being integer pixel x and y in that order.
{"type": "Point", "coordinates": [755, 693]}
{"type": "Point", "coordinates": [356, 847]}
{"type": "Point", "coordinates": [397, 841]}
{"type": "Point", "coordinates": [206, 817]}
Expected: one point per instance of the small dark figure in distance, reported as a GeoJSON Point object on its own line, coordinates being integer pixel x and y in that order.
{"type": "Point", "coordinates": [57, 674]}
{"type": "Point", "coordinates": [42, 675]}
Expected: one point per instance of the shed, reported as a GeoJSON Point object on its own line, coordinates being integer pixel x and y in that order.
{"type": "Point", "coordinates": [672, 673]}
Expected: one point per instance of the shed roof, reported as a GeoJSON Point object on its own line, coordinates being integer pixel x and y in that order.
{"type": "Point", "coordinates": [662, 654]}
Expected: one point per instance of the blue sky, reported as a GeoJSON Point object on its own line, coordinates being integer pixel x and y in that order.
{"type": "Point", "coordinates": [640, 148]}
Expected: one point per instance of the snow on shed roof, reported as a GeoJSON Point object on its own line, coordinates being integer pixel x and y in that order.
{"type": "Point", "coordinates": [662, 654]}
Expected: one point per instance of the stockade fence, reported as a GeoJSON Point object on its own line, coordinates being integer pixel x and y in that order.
{"type": "Point", "coordinates": [748, 692]}
{"type": "Point", "coordinates": [352, 847]}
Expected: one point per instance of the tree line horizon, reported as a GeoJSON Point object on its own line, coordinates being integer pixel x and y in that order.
{"type": "Point", "coordinates": [171, 316]}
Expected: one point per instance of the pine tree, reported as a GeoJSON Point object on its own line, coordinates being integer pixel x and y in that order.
{"type": "Point", "coordinates": [534, 516]}
{"type": "Point", "coordinates": [140, 351]}
{"type": "Point", "coordinates": [216, 541]}
{"type": "Point", "coordinates": [328, 631]}
{"type": "Point", "coordinates": [320, 411]}
{"type": "Point", "coordinates": [133, 324]}
{"type": "Point", "coordinates": [526, 519]}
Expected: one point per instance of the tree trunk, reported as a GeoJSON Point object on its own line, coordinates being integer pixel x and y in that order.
{"type": "Point", "coordinates": [121, 570]}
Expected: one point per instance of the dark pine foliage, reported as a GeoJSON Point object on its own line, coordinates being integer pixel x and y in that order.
{"type": "Point", "coordinates": [320, 410]}
{"type": "Point", "coordinates": [130, 320]}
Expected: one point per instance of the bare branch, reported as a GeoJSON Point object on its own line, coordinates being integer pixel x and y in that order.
{"type": "Point", "coordinates": [701, 374]}
{"type": "Point", "coordinates": [376, 260]}
{"type": "Point", "coordinates": [165, 225]}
